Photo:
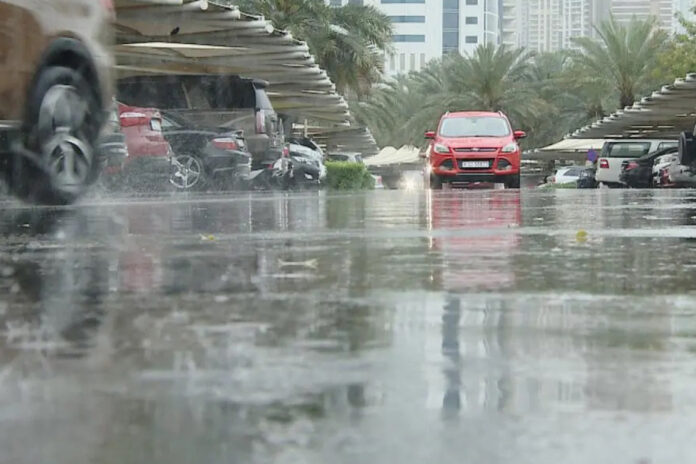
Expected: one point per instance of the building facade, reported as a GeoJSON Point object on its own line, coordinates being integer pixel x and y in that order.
{"type": "Point", "coordinates": [663, 10]}
{"type": "Point", "coordinates": [550, 25]}
{"type": "Point", "coordinates": [428, 29]}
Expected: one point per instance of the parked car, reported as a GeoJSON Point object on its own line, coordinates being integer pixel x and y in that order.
{"type": "Point", "coordinates": [149, 153]}
{"type": "Point", "coordinates": [567, 175]}
{"type": "Point", "coordinates": [474, 147]}
{"type": "Point", "coordinates": [307, 165]}
{"type": "Point", "coordinates": [205, 156]}
{"type": "Point", "coordinates": [661, 165]}
{"type": "Point", "coordinates": [56, 89]}
{"type": "Point", "coordinates": [227, 102]}
{"type": "Point", "coordinates": [615, 152]}
{"type": "Point", "coordinates": [587, 179]}
{"type": "Point", "coordinates": [638, 173]}
{"type": "Point", "coordinates": [679, 175]}
{"type": "Point", "coordinates": [112, 147]}
{"type": "Point", "coordinates": [346, 157]}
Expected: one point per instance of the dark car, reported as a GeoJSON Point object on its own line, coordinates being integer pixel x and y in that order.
{"type": "Point", "coordinates": [215, 101]}
{"type": "Point", "coordinates": [113, 149]}
{"type": "Point", "coordinates": [204, 157]}
{"type": "Point", "coordinates": [587, 179]}
{"type": "Point", "coordinates": [638, 173]}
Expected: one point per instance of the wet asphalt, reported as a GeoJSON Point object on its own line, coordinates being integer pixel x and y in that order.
{"type": "Point", "coordinates": [384, 327]}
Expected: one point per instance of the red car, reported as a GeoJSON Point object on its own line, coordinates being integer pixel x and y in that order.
{"type": "Point", "coordinates": [149, 153]}
{"type": "Point", "coordinates": [474, 146]}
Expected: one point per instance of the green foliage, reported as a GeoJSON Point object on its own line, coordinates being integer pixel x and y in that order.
{"type": "Point", "coordinates": [524, 86]}
{"type": "Point", "coordinates": [348, 42]}
{"type": "Point", "coordinates": [348, 176]}
{"type": "Point", "coordinates": [548, 94]}
{"type": "Point", "coordinates": [623, 57]}
{"type": "Point", "coordinates": [679, 58]}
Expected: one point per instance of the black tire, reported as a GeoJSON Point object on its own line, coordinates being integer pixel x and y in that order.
{"type": "Point", "coordinates": [512, 181]}
{"type": "Point", "coordinates": [687, 148]}
{"type": "Point", "coordinates": [435, 182]}
{"type": "Point", "coordinates": [63, 119]}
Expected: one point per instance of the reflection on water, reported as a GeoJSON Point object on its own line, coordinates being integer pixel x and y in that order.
{"type": "Point", "coordinates": [385, 327]}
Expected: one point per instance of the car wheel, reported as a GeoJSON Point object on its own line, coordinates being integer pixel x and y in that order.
{"type": "Point", "coordinates": [188, 173]}
{"type": "Point", "coordinates": [512, 181]}
{"type": "Point", "coordinates": [435, 182]}
{"type": "Point", "coordinates": [63, 119]}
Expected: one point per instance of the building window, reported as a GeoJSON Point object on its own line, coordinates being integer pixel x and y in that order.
{"type": "Point", "coordinates": [452, 5]}
{"type": "Point", "coordinates": [471, 39]}
{"type": "Point", "coordinates": [355, 2]}
{"type": "Point", "coordinates": [413, 61]}
{"type": "Point", "coordinates": [392, 62]}
{"type": "Point", "coordinates": [450, 21]}
{"type": "Point", "coordinates": [472, 19]}
{"type": "Point", "coordinates": [335, 2]}
{"type": "Point", "coordinates": [422, 60]}
{"type": "Point", "coordinates": [407, 19]}
{"type": "Point", "coordinates": [450, 41]}
{"type": "Point", "coordinates": [408, 38]}
{"type": "Point", "coordinates": [472, 2]}
{"type": "Point", "coordinates": [402, 62]}
{"type": "Point", "coordinates": [403, 1]}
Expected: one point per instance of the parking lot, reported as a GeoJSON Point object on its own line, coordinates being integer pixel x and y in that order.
{"type": "Point", "coordinates": [387, 326]}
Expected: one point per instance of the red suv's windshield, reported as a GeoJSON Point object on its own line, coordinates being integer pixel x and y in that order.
{"type": "Point", "coordinates": [486, 126]}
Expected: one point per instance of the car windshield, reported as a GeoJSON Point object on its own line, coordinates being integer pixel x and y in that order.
{"type": "Point", "coordinates": [486, 126]}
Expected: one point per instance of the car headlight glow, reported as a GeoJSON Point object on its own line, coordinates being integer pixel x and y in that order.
{"type": "Point", "coordinates": [441, 149]}
{"type": "Point", "coordinates": [510, 148]}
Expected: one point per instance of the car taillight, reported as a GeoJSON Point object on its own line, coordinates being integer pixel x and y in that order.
{"type": "Point", "coordinates": [631, 165]}
{"type": "Point", "coordinates": [226, 143]}
{"type": "Point", "coordinates": [260, 122]}
{"type": "Point", "coordinates": [603, 164]}
{"type": "Point", "coordinates": [108, 4]}
{"type": "Point", "coordinates": [552, 179]}
{"type": "Point", "coordinates": [286, 151]}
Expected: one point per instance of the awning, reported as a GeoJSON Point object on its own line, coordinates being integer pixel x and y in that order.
{"type": "Point", "coordinates": [663, 115]}
{"type": "Point", "coordinates": [203, 37]}
{"type": "Point", "coordinates": [575, 145]}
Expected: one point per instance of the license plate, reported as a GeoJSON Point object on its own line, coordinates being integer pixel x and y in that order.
{"type": "Point", "coordinates": [475, 164]}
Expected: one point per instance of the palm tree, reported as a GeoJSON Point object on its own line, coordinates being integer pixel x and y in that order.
{"type": "Point", "coordinates": [349, 42]}
{"type": "Point", "coordinates": [622, 58]}
{"type": "Point", "coordinates": [492, 79]}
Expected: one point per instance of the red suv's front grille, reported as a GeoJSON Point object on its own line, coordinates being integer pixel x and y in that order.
{"type": "Point", "coordinates": [475, 150]}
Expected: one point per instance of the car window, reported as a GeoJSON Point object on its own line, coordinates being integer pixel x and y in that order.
{"type": "Point", "coordinates": [625, 149]}
{"type": "Point", "coordinates": [665, 145]}
{"type": "Point", "coordinates": [168, 124]}
{"type": "Point", "coordinates": [338, 157]}
{"type": "Point", "coordinates": [485, 126]}
{"type": "Point", "coordinates": [262, 100]}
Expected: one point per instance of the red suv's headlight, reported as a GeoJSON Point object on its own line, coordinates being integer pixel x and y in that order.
{"type": "Point", "coordinates": [510, 148]}
{"type": "Point", "coordinates": [441, 149]}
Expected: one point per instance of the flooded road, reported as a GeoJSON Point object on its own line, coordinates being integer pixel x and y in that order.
{"type": "Point", "coordinates": [387, 327]}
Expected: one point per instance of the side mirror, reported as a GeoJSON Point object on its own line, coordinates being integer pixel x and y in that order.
{"type": "Point", "coordinates": [430, 135]}
{"type": "Point", "coordinates": [518, 134]}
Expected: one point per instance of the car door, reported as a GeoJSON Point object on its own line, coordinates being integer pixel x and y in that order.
{"type": "Point", "coordinates": [21, 43]}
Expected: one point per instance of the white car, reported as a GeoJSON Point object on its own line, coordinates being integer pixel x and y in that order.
{"type": "Point", "coordinates": [663, 163]}
{"type": "Point", "coordinates": [615, 152]}
{"type": "Point", "coordinates": [567, 175]}
{"type": "Point", "coordinates": [679, 175]}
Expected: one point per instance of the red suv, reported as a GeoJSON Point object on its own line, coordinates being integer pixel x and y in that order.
{"type": "Point", "coordinates": [474, 146]}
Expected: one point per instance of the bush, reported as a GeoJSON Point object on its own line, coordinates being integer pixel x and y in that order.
{"type": "Point", "coordinates": [348, 176]}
